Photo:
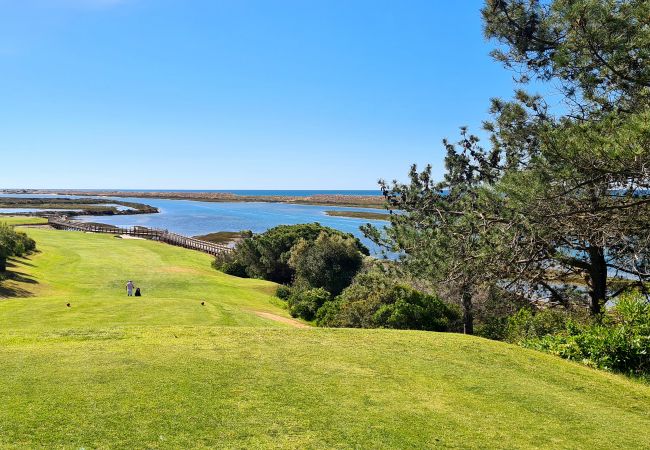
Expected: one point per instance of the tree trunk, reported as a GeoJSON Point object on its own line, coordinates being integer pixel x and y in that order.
{"type": "Point", "coordinates": [468, 313]}
{"type": "Point", "coordinates": [598, 276]}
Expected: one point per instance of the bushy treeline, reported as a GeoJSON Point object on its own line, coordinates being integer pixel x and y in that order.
{"type": "Point", "coordinates": [327, 278]}
{"type": "Point", "coordinates": [376, 299]}
{"type": "Point", "coordinates": [13, 243]}
{"type": "Point", "coordinates": [322, 255]}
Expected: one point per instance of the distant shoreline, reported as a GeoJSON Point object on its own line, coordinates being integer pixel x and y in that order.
{"type": "Point", "coordinates": [360, 201]}
{"type": "Point", "coordinates": [72, 207]}
{"type": "Point", "coordinates": [359, 214]}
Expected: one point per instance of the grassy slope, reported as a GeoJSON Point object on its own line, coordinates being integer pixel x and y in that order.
{"type": "Point", "coordinates": [157, 372]}
{"type": "Point", "coordinates": [22, 220]}
{"type": "Point", "coordinates": [90, 271]}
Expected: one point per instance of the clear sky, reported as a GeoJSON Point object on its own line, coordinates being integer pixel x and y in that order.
{"type": "Point", "coordinates": [236, 94]}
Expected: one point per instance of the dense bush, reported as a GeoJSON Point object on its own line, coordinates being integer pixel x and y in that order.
{"type": "Point", "coordinates": [329, 262]}
{"type": "Point", "coordinates": [13, 243]}
{"type": "Point", "coordinates": [355, 307]}
{"type": "Point", "coordinates": [493, 309]}
{"type": "Point", "coordinates": [229, 264]}
{"type": "Point", "coordinates": [234, 268]}
{"type": "Point", "coordinates": [305, 303]}
{"type": "Point", "coordinates": [283, 292]}
{"type": "Point", "coordinates": [406, 308]}
{"type": "Point", "coordinates": [375, 300]}
{"type": "Point", "coordinates": [619, 341]}
{"type": "Point", "coordinates": [530, 324]}
{"type": "Point", "coordinates": [267, 255]}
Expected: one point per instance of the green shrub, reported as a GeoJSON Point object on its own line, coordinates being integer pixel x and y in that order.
{"type": "Point", "coordinates": [330, 262]}
{"type": "Point", "coordinates": [306, 303]}
{"type": "Point", "coordinates": [495, 328]}
{"type": "Point", "coordinates": [229, 264]}
{"type": "Point", "coordinates": [356, 306]}
{"type": "Point", "coordinates": [13, 243]}
{"type": "Point", "coordinates": [619, 342]}
{"type": "Point", "coordinates": [530, 324]}
{"type": "Point", "coordinates": [328, 314]}
{"type": "Point", "coordinates": [283, 292]}
{"type": "Point", "coordinates": [493, 308]}
{"type": "Point", "coordinates": [234, 268]}
{"type": "Point", "coordinates": [377, 300]}
{"type": "Point", "coordinates": [406, 308]}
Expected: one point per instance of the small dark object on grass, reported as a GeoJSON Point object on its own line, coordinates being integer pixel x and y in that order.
{"type": "Point", "coordinates": [137, 292]}
{"type": "Point", "coordinates": [67, 304]}
{"type": "Point", "coordinates": [203, 303]}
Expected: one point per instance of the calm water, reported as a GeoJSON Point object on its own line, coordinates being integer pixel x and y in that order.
{"type": "Point", "coordinates": [192, 218]}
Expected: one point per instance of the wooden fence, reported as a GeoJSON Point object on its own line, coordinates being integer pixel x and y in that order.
{"type": "Point", "coordinates": [141, 232]}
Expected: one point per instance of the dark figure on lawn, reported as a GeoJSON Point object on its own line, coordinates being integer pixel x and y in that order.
{"type": "Point", "coordinates": [137, 292]}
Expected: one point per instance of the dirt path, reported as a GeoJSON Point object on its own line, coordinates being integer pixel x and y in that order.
{"type": "Point", "coordinates": [275, 317]}
{"type": "Point", "coordinates": [34, 225]}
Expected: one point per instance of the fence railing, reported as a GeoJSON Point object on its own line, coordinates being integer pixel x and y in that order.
{"type": "Point", "coordinates": [142, 232]}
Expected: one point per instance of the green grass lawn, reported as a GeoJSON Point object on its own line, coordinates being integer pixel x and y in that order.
{"type": "Point", "coordinates": [165, 372]}
{"type": "Point", "coordinates": [90, 272]}
{"type": "Point", "coordinates": [22, 220]}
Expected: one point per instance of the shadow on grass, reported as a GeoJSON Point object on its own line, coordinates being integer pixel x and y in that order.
{"type": "Point", "coordinates": [20, 277]}
{"type": "Point", "coordinates": [13, 290]}
{"type": "Point", "coordinates": [22, 262]}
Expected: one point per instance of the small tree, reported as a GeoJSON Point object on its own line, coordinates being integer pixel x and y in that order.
{"type": "Point", "coordinates": [443, 232]}
{"type": "Point", "coordinates": [329, 262]}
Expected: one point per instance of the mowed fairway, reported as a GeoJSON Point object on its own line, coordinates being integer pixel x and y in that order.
{"type": "Point", "coordinates": [22, 220]}
{"type": "Point", "coordinates": [165, 372]}
{"type": "Point", "coordinates": [90, 272]}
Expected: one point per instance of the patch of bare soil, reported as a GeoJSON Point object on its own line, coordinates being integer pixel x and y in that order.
{"type": "Point", "coordinates": [276, 318]}
{"type": "Point", "coordinates": [36, 225]}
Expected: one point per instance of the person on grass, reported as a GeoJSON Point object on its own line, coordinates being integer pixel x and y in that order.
{"type": "Point", "coordinates": [129, 288]}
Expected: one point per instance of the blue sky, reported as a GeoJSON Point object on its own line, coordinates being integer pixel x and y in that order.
{"type": "Point", "coordinates": [219, 94]}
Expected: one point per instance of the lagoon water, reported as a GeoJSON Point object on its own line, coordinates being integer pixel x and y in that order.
{"type": "Point", "coordinates": [192, 218]}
